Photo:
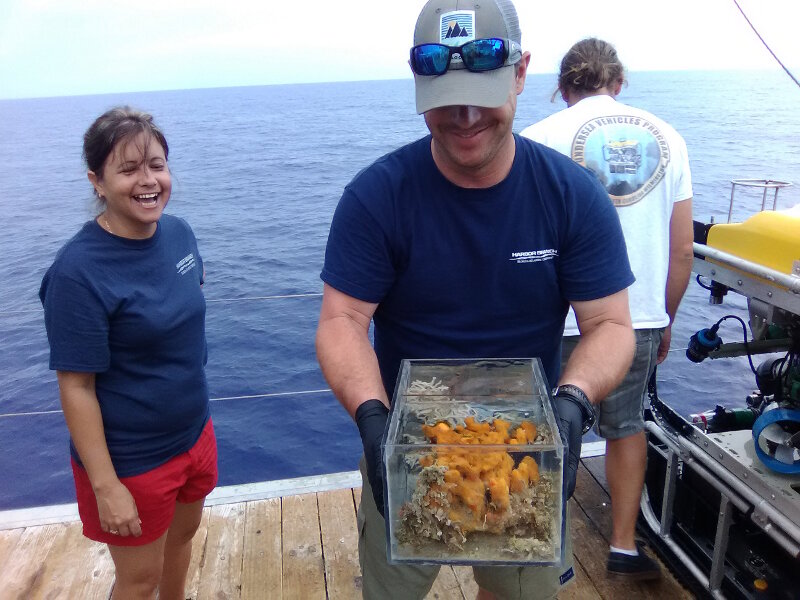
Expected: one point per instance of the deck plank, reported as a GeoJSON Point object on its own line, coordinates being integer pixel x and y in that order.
{"type": "Point", "coordinates": [582, 588]}
{"type": "Point", "coordinates": [303, 569]}
{"type": "Point", "coordinates": [337, 519]}
{"type": "Point", "coordinates": [466, 581]}
{"type": "Point", "coordinates": [594, 501]}
{"type": "Point", "coordinates": [597, 467]}
{"type": "Point", "coordinates": [591, 550]}
{"type": "Point", "coordinates": [295, 547]}
{"type": "Point", "coordinates": [8, 540]}
{"type": "Point", "coordinates": [262, 564]}
{"type": "Point", "coordinates": [198, 556]}
{"type": "Point", "coordinates": [27, 563]}
{"type": "Point", "coordinates": [446, 586]}
{"type": "Point", "coordinates": [220, 576]}
{"type": "Point", "coordinates": [96, 578]}
{"type": "Point", "coordinates": [66, 562]}
{"type": "Point", "coordinates": [590, 535]}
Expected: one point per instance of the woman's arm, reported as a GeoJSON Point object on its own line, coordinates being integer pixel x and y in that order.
{"type": "Point", "coordinates": [115, 504]}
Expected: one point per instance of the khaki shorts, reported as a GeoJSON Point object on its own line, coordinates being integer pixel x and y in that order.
{"type": "Point", "coordinates": [621, 414]}
{"type": "Point", "coordinates": [407, 582]}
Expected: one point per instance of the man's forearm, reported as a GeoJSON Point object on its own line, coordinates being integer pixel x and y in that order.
{"type": "Point", "coordinates": [681, 255]}
{"type": "Point", "coordinates": [348, 362]}
{"type": "Point", "coordinates": [677, 282]}
{"type": "Point", "coordinates": [600, 360]}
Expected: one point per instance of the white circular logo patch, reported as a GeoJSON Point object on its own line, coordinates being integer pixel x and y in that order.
{"type": "Point", "coordinates": [628, 154]}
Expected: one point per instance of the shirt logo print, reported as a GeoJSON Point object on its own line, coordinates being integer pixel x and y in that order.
{"type": "Point", "coordinates": [531, 256]}
{"type": "Point", "coordinates": [628, 154]}
{"type": "Point", "coordinates": [186, 264]}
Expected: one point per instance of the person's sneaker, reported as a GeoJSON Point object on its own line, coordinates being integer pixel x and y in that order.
{"type": "Point", "coordinates": [633, 568]}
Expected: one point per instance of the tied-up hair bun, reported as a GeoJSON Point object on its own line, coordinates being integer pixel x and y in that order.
{"type": "Point", "coordinates": [590, 65]}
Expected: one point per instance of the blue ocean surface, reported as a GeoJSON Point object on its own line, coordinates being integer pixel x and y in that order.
{"type": "Point", "coordinates": [257, 172]}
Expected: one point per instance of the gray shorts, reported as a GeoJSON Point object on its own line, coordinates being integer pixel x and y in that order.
{"type": "Point", "coordinates": [621, 414]}
{"type": "Point", "coordinates": [380, 580]}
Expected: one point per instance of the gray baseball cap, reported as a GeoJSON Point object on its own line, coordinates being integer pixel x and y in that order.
{"type": "Point", "coordinates": [454, 23]}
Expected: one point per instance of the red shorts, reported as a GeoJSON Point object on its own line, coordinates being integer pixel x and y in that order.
{"type": "Point", "coordinates": [186, 478]}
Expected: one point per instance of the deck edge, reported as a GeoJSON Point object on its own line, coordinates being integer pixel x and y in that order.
{"type": "Point", "coordinates": [229, 494]}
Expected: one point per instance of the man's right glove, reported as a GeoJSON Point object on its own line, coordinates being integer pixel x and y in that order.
{"type": "Point", "coordinates": [575, 416]}
{"type": "Point", "coordinates": [371, 418]}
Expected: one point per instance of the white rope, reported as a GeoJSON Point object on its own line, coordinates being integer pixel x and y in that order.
{"type": "Point", "coordinates": [266, 297]}
{"type": "Point", "coordinates": [278, 297]}
{"type": "Point", "coordinates": [32, 414]}
{"type": "Point", "coordinates": [249, 397]}
{"type": "Point", "coordinates": [273, 395]}
{"type": "Point", "coordinates": [276, 394]}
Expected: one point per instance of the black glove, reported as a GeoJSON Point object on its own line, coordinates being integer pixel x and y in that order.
{"type": "Point", "coordinates": [371, 418]}
{"type": "Point", "coordinates": [570, 419]}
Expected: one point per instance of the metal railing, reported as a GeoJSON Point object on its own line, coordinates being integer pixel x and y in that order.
{"type": "Point", "coordinates": [766, 184]}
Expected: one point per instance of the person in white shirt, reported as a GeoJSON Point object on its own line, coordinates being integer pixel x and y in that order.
{"type": "Point", "coordinates": [643, 164]}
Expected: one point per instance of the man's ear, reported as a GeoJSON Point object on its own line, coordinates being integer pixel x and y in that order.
{"type": "Point", "coordinates": [521, 73]}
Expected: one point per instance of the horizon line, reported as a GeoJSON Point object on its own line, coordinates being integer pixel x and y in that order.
{"type": "Point", "coordinates": [775, 69]}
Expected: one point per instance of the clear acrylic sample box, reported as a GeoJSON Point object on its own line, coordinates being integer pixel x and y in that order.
{"type": "Point", "coordinates": [473, 464]}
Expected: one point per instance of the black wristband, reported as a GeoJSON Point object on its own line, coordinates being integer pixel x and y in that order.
{"type": "Point", "coordinates": [575, 394]}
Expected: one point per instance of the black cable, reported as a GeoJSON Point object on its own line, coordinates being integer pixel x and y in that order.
{"type": "Point", "coordinates": [776, 371]}
{"type": "Point", "coordinates": [779, 375]}
{"type": "Point", "coordinates": [793, 359]}
{"type": "Point", "coordinates": [746, 345]}
{"type": "Point", "coordinates": [701, 284]}
{"type": "Point", "coordinates": [788, 72]}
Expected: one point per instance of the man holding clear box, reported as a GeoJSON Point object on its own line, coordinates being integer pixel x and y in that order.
{"type": "Point", "coordinates": [470, 242]}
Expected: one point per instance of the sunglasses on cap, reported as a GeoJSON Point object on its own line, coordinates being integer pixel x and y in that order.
{"type": "Point", "coordinates": [476, 56]}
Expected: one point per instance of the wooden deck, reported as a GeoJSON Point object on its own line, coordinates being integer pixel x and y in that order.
{"type": "Point", "coordinates": [302, 547]}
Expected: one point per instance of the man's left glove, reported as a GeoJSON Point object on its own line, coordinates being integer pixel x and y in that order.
{"type": "Point", "coordinates": [371, 418]}
{"type": "Point", "coordinates": [575, 416]}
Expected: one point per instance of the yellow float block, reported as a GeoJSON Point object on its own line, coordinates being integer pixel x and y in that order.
{"type": "Point", "coordinates": [768, 238]}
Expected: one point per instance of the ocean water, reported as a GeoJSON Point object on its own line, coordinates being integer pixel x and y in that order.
{"type": "Point", "coordinates": [257, 172]}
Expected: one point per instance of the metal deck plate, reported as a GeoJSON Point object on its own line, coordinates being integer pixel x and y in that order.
{"type": "Point", "coordinates": [735, 450]}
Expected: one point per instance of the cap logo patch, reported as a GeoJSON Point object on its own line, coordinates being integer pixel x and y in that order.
{"type": "Point", "coordinates": [457, 27]}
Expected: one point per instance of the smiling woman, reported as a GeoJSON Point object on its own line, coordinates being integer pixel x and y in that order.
{"type": "Point", "coordinates": [125, 318]}
{"type": "Point", "coordinates": [129, 172]}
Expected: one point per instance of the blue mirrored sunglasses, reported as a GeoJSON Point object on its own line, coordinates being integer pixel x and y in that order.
{"type": "Point", "coordinates": [476, 56]}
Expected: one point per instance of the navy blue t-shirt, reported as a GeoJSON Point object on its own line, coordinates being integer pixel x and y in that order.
{"type": "Point", "coordinates": [133, 312]}
{"type": "Point", "coordinates": [474, 273]}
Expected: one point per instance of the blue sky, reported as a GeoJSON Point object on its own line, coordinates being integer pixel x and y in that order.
{"type": "Point", "coordinates": [67, 47]}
